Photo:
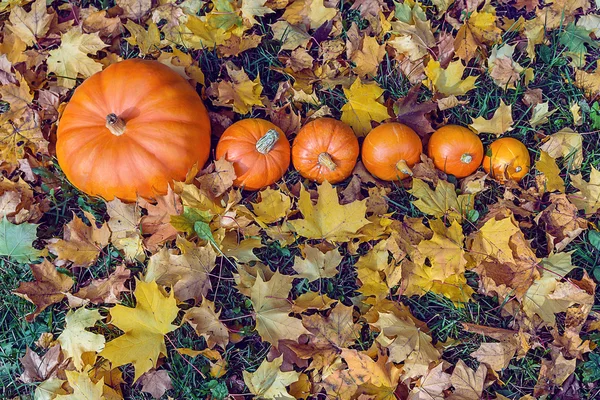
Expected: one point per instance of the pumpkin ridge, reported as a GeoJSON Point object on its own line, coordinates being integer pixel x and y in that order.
{"type": "Point", "coordinates": [165, 166]}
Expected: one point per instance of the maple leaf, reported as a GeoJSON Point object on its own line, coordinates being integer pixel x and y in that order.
{"type": "Point", "coordinates": [29, 26]}
{"type": "Point", "coordinates": [497, 356]}
{"type": "Point", "coordinates": [145, 327]}
{"type": "Point", "coordinates": [411, 113]}
{"type": "Point", "coordinates": [290, 35]}
{"type": "Point", "coordinates": [441, 202]}
{"type": "Point", "coordinates": [588, 196]}
{"type": "Point", "coordinates": [241, 93]}
{"type": "Point", "coordinates": [219, 181]}
{"type": "Point", "coordinates": [36, 368]}
{"type": "Point", "coordinates": [445, 249]}
{"type": "Point", "coordinates": [363, 106]}
{"type": "Point", "coordinates": [588, 81]}
{"type": "Point", "coordinates": [468, 384]}
{"type": "Point", "coordinates": [431, 385]}
{"type": "Point", "coordinates": [71, 60]}
{"type": "Point", "coordinates": [448, 81]}
{"type": "Point", "coordinates": [369, 268]}
{"type": "Point", "coordinates": [269, 382]}
{"type": "Point", "coordinates": [83, 387]}
{"type": "Point", "coordinates": [368, 57]}
{"type": "Point", "coordinates": [156, 383]}
{"type": "Point", "coordinates": [551, 180]}
{"type": "Point", "coordinates": [48, 288]}
{"type": "Point", "coordinates": [374, 377]}
{"type": "Point", "coordinates": [254, 8]}
{"type": "Point", "coordinates": [316, 264]}
{"type": "Point", "coordinates": [328, 219]}
{"type": "Point", "coordinates": [273, 206]}
{"type": "Point", "coordinates": [123, 224]}
{"type": "Point", "coordinates": [540, 114]}
{"type": "Point", "coordinates": [106, 290]}
{"type": "Point", "coordinates": [205, 321]}
{"type": "Point", "coordinates": [561, 221]}
{"type": "Point", "coordinates": [271, 307]}
{"type": "Point", "coordinates": [76, 340]}
{"type": "Point", "coordinates": [336, 331]}
{"type": "Point", "coordinates": [565, 143]}
{"type": "Point", "coordinates": [82, 244]}
{"type": "Point", "coordinates": [157, 222]}
{"type": "Point", "coordinates": [16, 241]}
{"type": "Point", "coordinates": [500, 123]}
{"type": "Point", "coordinates": [134, 9]}
{"type": "Point", "coordinates": [503, 70]}
{"type": "Point", "coordinates": [148, 41]}
{"type": "Point", "coordinates": [188, 272]}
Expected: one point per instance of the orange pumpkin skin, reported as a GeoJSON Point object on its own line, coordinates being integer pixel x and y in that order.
{"type": "Point", "coordinates": [325, 150]}
{"type": "Point", "coordinates": [161, 129]}
{"type": "Point", "coordinates": [507, 158]}
{"type": "Point", "coordinates": [390, 150]}
{"type": "Point", "coordinates": [257, 163]}
{"type": "Point", "coordinates": [455, 150]}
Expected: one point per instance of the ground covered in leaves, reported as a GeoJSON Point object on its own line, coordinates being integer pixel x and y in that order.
{"type": "Point", "coordinates": [431, 288]}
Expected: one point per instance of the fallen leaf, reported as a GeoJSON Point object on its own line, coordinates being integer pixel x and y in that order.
{"type": "Point", "coordinates": [240, 93]}
{"type": "Point", "coordinates": [588, 196]}
{"type": "Point", "coordinates": [269, 382]}
{"type": "Point", "coordinates": [205, 321]}
{"type": "Point", "coordinates": [49, 287]}
{"type": "Point", "coordinates": [291, 36]}
{"type": "Point", "coordinates": [500, 123]}
{"type": "Point", "coordinates": [254, 8]}
{"type": "Point", "coordinates": [565, 143]}
{"type": "Point", "coordinates": [550, 180]}
{"type": "Point", "coordinates": [106, 290]}
{"type": "Point", "coordinates": [561, 221]}
{"type": "Point", "coordinates": [83, 387]}
{"type": "Point", "coordinates": [272, 207]}
{"type": "Point", "coordinates": [468, 384]}
{"type": "Point", "coordinates": [30, 26]}
{"type": "Point", "coordinates": [156, 383]}
{"type": "Point", "coordinates": [145, 327]}
{"type": "Point", "coordinates": [16, 241]}
{"type": "Point", "coordinates": [448, 81]}
{"type": "Point", "coordinates": [368, 57]}
{"type": "Point", "coordinates": [134, 9]}
{"type": "Point", "coordinates": [540, 114]}
{"type": "Point", "coordinates": [76, 340]}
{"type": "Point", "coordinates": [148, 41]}
{"type": "Point", "coordinates": [157, 223]}
{"type": "Point", "coordinates": [36, 368]}
{"type": "Point", "coordinates": [444, 250]}
{"type": "Point", "coordinates": [442, 201]}
{"type": "Point", "coordinates": [503, 70]}
{"type": "Point", "coordinates": [497, 356]}
{"type": "Point", "coordinates": [316, 264]}
{"type": "Point", "coordinates": [124, 226]}
{"type": "Point", "coordinates": [411, 113]}
{"type": "Point", "coordinates": [432, 385]}
{"type": "Point", "coordinates": [363, 106]}
{"type": "Point", "coordinates": [220, 181]}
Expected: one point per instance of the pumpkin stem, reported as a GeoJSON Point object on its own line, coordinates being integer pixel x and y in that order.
{"type": "Point", "coordinates": [326, 161]}
{"type": "Point", "coordinates": [403, 167]}
{"type": "Point", "coordinates": [115, 125]}
{"type": "Point", "coordinates": [466, 158]}
{"type": "Point", "coordinates": [266, 143]}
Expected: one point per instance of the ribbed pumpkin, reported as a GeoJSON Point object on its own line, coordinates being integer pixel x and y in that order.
{"type": "Point", "coordinates": [259, 151]}
{"type": "Point", "coordinates": [390, 150]}
{"type": "Point", "coordinates": [507, 158]}
{"type": "Point", "coordinates": [325, 150]}
{"type": "Point", "coordinates": [131, 130]}
{"type": "Point", "coordinates": [455, 150]}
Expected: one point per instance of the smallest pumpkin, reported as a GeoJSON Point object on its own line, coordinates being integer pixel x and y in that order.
{"type": "Point", "coordinates": [507, 158]}
{"type": "Point", "coordinates": [258, 150]}
{"type": "Point", "coordinates": [390, 150]}
{"type": "Point", "coordinates": [325, 150]}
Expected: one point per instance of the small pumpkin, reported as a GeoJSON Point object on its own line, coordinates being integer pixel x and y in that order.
{"type": "Point", "coordinates": [259, 151]}
{"type": "Point", "coordinates": [325, 150]}
{"type": "Point", "coordinates": [507, 158]}
{"type": "Point", "coordinates": [390, 150]}
{"type": "Point", "coordinates": [455, 150]}
{"type": "Point", "coordinates": [131, 130]}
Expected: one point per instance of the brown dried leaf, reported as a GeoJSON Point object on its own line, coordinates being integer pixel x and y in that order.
{"type": "Point", "coordinates": [413, 114]}
{"type": "Point", "coordinates": [106, 290]}
{"type": "Point", "coordinates": [205, 321]}
{"type": "Point", "coordinates": [157, 222]}
{"type": "Point", "coordinates": [156, 382]}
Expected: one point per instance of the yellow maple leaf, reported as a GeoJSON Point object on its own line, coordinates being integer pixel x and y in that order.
{"type": "Point", "coordinates": [71, 59]}
{"type": "Point", "coordinates": [565, 143]}
{"type": "Point", "coordinates": [588, 196]}
{"type": "Point", "coordinates": [589, 82]}
{"type": "Point", "coordinates": [124, 226]}
{"type": "Point", "coordinates": [420, 279]}
{"type": "Point", "coordinates": [368, 57]}
{"type": "Point", "coordinates": [273, 206]}
{"type": "Point", "coordinates": [443, 201]}
{"type": "Point", "coordinates": [145, 327]}
{"type": "Point", "coordinates": [76, 340]}
{"type": "Point", "coordinates": [29, 26]}
{"type": "Point", "coordinates": [254, 8]}
{"type": "Point", "coordinates": [328, 219]}
{"type": "Point", "coordinates": [363, 106]}
{"type": "Point", "coordinates": [148, 41]}
{"type": "Point", "coordinates": [241, 93]}
{"type": "Point", "coordinates": [269, 382]}
{"type": "Point", "coordinates": [550, 180]}
{"type": "Point", "coordinates": [317, 264]}
{"type": "Point", "coordinates": [271, 307]}
{"type": "Point", "coordinates": [369, 268]}
{"type": "Point", "coordinates": [501, 122]}
{"type": "Point", "coordinates": [83, 387]}
{"type": "Point", "coordinates": [493, 239]}
{"type": "Point", "coordinates": [444, 250]}
{"type": "Point", "coordinates": [448, 81]}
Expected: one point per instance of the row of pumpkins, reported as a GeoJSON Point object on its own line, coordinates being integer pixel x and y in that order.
{"type": "Point", "coordinates": [136, 126]}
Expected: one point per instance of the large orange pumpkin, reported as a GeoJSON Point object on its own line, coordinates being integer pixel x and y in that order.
{"type": "Point", "coordinates": [259, 151]}
{"type": "Point", "coordinates": [455, 150]}
{"type": "Point", "coordinates": [507, 158]}
{"type": "Point", "coordinates": [325, 150]}
{"type": "Point", "coordinates": [390, 150]}
{"type": "Point", "coordinates": [131, 130]}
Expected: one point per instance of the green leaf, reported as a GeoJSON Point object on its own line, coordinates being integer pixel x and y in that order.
{"type": "Point", "coordinates": [16, 241]}
{"type": "Point", "coordinates": [594, 238]}
{"type": "Point", "coordinates": [185, 222]}
{"type": "Point", "coordinates": [595, 115]}
{"type": "Point", "coordinates": [575, 38]}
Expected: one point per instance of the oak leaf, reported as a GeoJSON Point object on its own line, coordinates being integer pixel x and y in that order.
{"type": "Point", "coordinates": [71, 60]}
{"type": "Point", "coordinates": [76, 340]}
{"type": "Point", "coordinates": [82, 243]}
{"type": "Point", "coordinates": [271, 307]}
{"type": "Point", "coordinates": [443, 201]}
{"type": "Point", "coordinates": [205, 321]}
{"type": "Point", "coordinates": [269, 382]}
{"type": "Point", "coordinates": [328, 219]}
{"type": "Point", "coordinates": [48, 288]}
{"type": "Point", "coordinates": [316, 264]}
{"type": "Point", "coordinates": [363, 106]}
{"type": "Point", "coordinates": [500, 123]}
{"type": "Point", "coordinates": [145, 327]}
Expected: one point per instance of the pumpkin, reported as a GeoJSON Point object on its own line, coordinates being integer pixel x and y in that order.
{"type": "Point", "coordinates": [390, 150]}
{"type": "Point", "coordinates": [259, 151]}
{"type": "Point", "coordinates": [131, 130]}
{"type": "Point", "coordinates": [455, 150]}
{"type": "Point", "coordinates": [325, 150]}
{"type": "Point", "coordinates": [507, 158]}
